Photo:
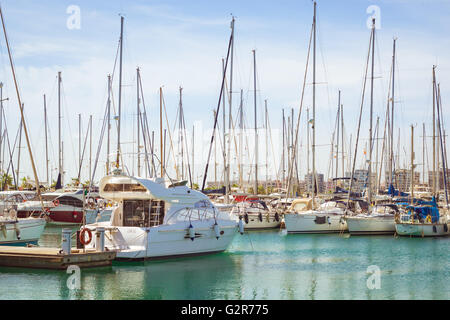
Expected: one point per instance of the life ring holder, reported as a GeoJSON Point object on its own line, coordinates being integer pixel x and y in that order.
{"type": "Point", "coordinates": [82, 237]}
{"type": "Point", "coordinates": [56, 202]}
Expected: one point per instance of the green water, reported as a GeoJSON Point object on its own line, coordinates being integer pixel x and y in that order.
{"type": "Point", "coordinates": [257, 265]}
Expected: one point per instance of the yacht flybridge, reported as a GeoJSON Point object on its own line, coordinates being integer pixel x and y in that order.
{"type": "Point", "coordinates": [152, 220]}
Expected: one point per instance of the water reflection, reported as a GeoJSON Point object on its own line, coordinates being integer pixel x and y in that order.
{"type": "Point", "coordinates": [258, 265]}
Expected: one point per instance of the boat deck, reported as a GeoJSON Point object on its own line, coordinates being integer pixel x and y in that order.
{"type": "Point", "coordinates": [53, 258]}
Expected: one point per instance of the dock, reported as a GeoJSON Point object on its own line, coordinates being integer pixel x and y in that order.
{"type": "Point", "coordinates": [53, 258]}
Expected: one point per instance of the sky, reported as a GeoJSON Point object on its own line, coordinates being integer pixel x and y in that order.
{"type": "Point", "coordinates": [182, 43]}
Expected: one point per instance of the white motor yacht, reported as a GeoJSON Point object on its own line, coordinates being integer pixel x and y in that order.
{"type": "Point", "coordinates": [154, 220]}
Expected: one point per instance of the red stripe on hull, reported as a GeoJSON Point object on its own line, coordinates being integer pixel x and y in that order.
{"type": "Point", "coordinates": [66, 216]}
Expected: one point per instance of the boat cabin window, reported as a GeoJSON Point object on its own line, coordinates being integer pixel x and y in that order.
{"type": "Point", "coordinates": [46, 197]}
{"type": "Point", "coordinates": [143, 213]}
{"type": "Point", "coordinates": [70, 201]}
{"type": "Point", "coordinates": [124, 187]}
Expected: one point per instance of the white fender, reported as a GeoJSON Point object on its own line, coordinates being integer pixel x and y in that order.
{"type": "Point", "coordinates": [191, 232]}
{"type": "Point", "coordinates": [241, 226]}
{"type": "Point", "coordinates": [16, 227]}
{"type": "Point", "coordinates": [217, 230]}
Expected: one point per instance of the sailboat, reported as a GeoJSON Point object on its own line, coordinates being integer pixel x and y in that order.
{"type": "Point", "coordinates": [14, 230]}
{"type": "Point", "coordinates": [427, 220]}
{"type": "Point", "coordinates": [155, 219]}
{"type": "Point", "coordinates": [253, 210]}
{"type": "Point", "coordinates": [380, 219]}
{"type": "Point", "coordinates": [327, 217]}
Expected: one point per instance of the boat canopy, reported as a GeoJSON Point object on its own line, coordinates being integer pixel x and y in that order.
{"type": "Point", "coordinates": [421, 212]}
{"type": "Point", "coordinates": [121, 187]}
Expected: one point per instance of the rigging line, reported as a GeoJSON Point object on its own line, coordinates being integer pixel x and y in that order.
{"type": "Point", "coordinates": [382, 153]}
{"type": "Point", "coordinates": [99, 148]}
{"type": "Point", "coordinates": [319, 34]}
{"type": "Point", "coordinates": [438, 100]}
{"type": "Point", "coordinates": [82, 154]}
{"type": "Point", "coordinates": [142, 122]}
{"type": "Point", "coordinates": [170, 134]}
{"type": "Point", "coordinates": [273, 150]}
{"type": "Point", "coordinates": [300, 110]}
{"type": "Point", "coordinates": [359, 121]}
{"type": "Point", "coordinates": [14, 146]}
{"type": "Point", "coordinates": [11, 154]}
{"type": "Point", "coordinates": [186, 143]}
{"type": "Point", "coordinates": [387, 119]}
{"type": "Point", "coordinates": [217, 113]}
{"type": "Point", "coordinates": [147, 127]}
{"type": "Point", "coordinates": [68, 123]}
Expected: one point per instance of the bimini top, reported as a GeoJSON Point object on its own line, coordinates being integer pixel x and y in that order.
{"type": "Point", "coordinates": [122, 187]}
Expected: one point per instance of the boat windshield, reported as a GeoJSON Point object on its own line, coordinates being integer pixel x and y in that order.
{"type": "Point", "coordinates": [202, 210]}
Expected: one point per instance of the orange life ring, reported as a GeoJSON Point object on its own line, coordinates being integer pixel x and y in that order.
{"type": "Point", "coordinates": [56, 202]}
{"type": "Point", "coordinates": [82, 238]}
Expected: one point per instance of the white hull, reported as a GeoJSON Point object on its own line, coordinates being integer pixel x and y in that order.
{"type": "Point", "coordinates": [422, 229]}
{"type": "Point", "coordinates": [370, 225]}
{"type": "Point", "coordinates": [268, 222]}
{"type": "Point", "coordinates": [24, 231]}
{"type": "Point", "coordinates": [308, 222]}
{"type": "Point", "coordinates": [167, 241]}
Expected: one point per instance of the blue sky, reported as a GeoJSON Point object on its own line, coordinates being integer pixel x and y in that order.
{"type": "Point", "coordinates": [181, 43]}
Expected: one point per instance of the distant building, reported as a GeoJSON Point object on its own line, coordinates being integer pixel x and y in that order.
{"type": "Point", "coordinates": [319, 180]}
{"type": "Point", "coordinates": [402, 179]}
{"type": "Point", "coordinates": [361, 180]}
{"type": "Point", "coordinates": [432, 176]}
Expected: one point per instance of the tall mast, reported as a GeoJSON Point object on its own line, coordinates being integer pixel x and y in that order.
{"type": "Point", "coordinates": [138, 124]}
{"type": "Point", "coordinates": [230, 114]}
{"type": "Point", "coordinates": [90, 151]}
{"type": "Point", "coordinates": [109, 125]}
{"type": "Point", "coordinates": [337, 133]}
{"type": "Point", "coordinates": [161, 133]}
{"type": "Point", "coordinates": [442, 143]}
{"type": "Point", "coordinates": [314, 110]}
{"type": "Point", "coordinates": [307, 141]}
{"type": "Point", "coordinates": [256, 123]}
{"type": "Point", "coordinates": [60, 146]}
{"type": "Point", "coordinates": [1, 129]}
{"type": "Point", "coordinates": [46, 140]}
{"type": "Point", "coordinates": [215, 154]}
{"type": "Point", "coordinates": [38, 190]}
{"type": "Point", "coordinates": [79, 140]}
{"type": "Point", "coordinates": [342, 141]}
{"type": "Point", "coordinates": [267, 144]}
{"type": "Point", "coordinates": [283, 153]}
{"type": "Point", "coordinates": [377, 126]}
{"type": "Point", "coordinates": [391, 154]}
{"type": "Point", "coordinates": [241, 140]}
{"type": "Point", "coordinates": [120, 93]}
{"type": "Point", "coordinates": [224, 151]}
{"type": "Point", "coordinates": [423, 153]}
{"type": "Point", "coordinates": [412, 164]}
{"type": "Point", "coordinates": [20, 147]}
{"type": "Point", "coordinates": [193, 137]}
{"type": "Point", "coordinates": [434, 131]}
{"type": "Point", "coordinates": [181, 132]}
{"type": "Point", "coordinates": [369, 182]}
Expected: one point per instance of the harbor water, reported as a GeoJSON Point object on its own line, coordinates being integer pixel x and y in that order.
{"type": "Point", "coordinates": [258, 265]}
